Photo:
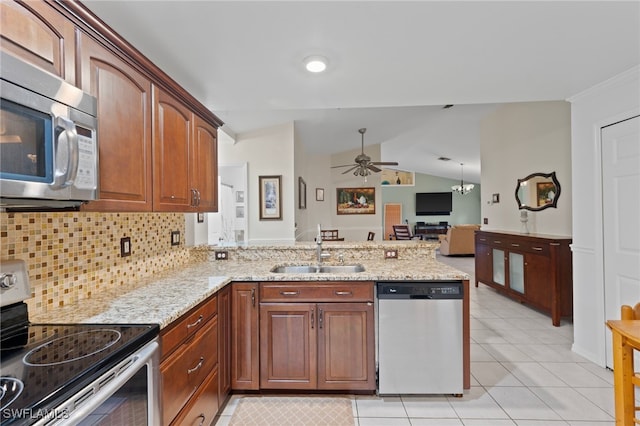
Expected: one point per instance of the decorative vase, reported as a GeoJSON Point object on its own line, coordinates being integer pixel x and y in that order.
{"type": "Point", "coordinates": [524, 219]}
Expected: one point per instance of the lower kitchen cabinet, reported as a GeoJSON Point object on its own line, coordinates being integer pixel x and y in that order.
{"type": "Point", "coordinates": [189, 366]}
{"type": "Point", "coordinates": [224, 343]}
{"type": "Point", "coordinates": [317, 336]}
{"type": "Point", "coordinates": [245, 362]}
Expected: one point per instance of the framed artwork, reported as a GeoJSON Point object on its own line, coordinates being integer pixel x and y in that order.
{"type": "Point", "coordinates": [302, 193]}
{"type": "Point", "coordinates": [270, 188]}
{"type": "Point", "coordinates": [356, 200]}
{"type": "Point", "coordinates": [545, 193]}
{"type": "Point", "coordinates": [391, 177]}
{"type": "Point", "coordinates": [319, 194]}
{"type": "Point", "coordinates": [239, 196]}
{"type": "Point", "coordinates": [240, 212]}
{"type": "Point", "coordinates": [200, 217]}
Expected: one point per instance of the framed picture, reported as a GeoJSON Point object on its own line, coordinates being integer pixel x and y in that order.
{"type": "Point", "coordinates": [302, 193]}
{"type": "Point", "coordinates": [240, 212]}
{"type": "Point", "coordinates": [391, 177]}
{"type": "Point", "coordinates": [200, 217]}
{"type": "Point", "coordinates": [239, 196]}
{"type": "Point", "coordinates": [545, 192]}
{"type": "Point", "coordinates": [270, 188]}
{"type": "Point", "coordinates": [319, 194]}
{"type": "Point", "coordinates": [356, 200]}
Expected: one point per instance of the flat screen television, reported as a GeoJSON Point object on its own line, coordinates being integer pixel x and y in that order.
{"type": "Point", "coordinates": [433, 203]}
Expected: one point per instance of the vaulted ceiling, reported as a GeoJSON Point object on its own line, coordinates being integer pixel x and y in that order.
{"type": "Point", "coordinates": [392, 65]}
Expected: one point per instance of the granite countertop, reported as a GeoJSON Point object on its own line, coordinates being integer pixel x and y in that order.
{"type": "Point", "coordinates": [165, 297]}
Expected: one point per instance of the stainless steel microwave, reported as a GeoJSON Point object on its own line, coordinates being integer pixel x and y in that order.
{"type": "Point", "coordinates": [48, 139]}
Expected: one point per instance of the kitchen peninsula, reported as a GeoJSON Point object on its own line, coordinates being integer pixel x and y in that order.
{"type": "Point", "coordinates": [231, 301]}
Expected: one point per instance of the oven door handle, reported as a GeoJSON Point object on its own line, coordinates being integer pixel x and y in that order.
{"type": "Point", "coordinates": [92, 396]}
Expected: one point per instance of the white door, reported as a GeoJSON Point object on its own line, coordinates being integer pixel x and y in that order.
{"type": "Point", "coordinates": [621, 219]}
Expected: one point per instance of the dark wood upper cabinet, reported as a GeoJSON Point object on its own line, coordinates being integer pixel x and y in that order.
{"type": "Point", "coordinates": [39, 34]}
{"type": "Point", "coordinates": [124, 128]}
{"type": "Point", "coordinates": [204, 165]}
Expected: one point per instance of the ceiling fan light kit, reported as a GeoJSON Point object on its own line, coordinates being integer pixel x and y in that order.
{"type": "Point", "coordinates": [363, 166]}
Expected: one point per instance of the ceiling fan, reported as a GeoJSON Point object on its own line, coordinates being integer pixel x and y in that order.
{"type": "Point", "coordinates": [363, 165]}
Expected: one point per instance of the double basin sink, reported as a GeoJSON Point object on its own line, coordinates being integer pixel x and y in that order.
{"type": "Point", "coordinates": [317, 269]}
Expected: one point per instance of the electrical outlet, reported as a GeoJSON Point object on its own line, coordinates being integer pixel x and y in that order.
{"type": "Point", "coordinates": [485, 221]}
{"type": "Point", "coordinates": [175, 238]}
{"type": "Point", "coordinates": [125, 246]}
{"type": "Point", "coordinates": [222, 255]}
{"type": "Point", "coordinates": [391, 254]}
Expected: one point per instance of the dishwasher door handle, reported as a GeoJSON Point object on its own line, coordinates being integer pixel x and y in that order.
{"type": "Point", "coordinates": [420, 296]}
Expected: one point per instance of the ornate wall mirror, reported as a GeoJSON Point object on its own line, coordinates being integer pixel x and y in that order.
{"type": "Point", "coordinates": [538, 191]}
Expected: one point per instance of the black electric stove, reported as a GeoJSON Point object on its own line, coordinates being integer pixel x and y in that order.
{"type": "Point", "coordinates": [44, 365]}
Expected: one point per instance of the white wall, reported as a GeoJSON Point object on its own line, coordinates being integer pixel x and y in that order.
{"type": "Point", "coordinates": [519, 139]}
{"type": "Point", "coordinates": [267, 152]}
{"type": "Point", "coordinates": [607, 103]}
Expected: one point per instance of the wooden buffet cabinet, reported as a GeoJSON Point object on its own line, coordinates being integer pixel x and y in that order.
{"type": "Point", "coordinates": [534, 269]}
{"type": "Point", "coordinates": [147, 161]}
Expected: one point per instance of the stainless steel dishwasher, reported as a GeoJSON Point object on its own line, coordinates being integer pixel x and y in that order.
{"type": "Point", "coordinates": [420, 337]}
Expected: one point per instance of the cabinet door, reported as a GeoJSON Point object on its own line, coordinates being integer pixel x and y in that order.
{"type": "Point", "coordinates": [245, 373]}
{"type": "Point", "coordinates": [204, 166]}
{"type": "Point", "coordinates": [124, 130]}
{"type": "Point", "coordinates": [172, 123]}
{"type": "Point", "coordinates": [538, 280]}
{"type": "Point", "coordinates": [224, 342]}
{"type": "Point", "coordinates": [484, 263]}
{"type": "Point", "coordinates": [516, 272]}
{"type": "Point", "coordinates": [346, 346]}
{"type": "Point", "coordinates": [288, 346]}
{"type": "Point", "coordinates": [38, 34]}
{"type": "Point", "coordinates": [498, 266]}
{"type": "Point", "coordinates": [203, 407]}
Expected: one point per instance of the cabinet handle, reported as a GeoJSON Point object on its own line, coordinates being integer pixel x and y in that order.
{"type": "Point", "coordinates": [253, 297]}
{"type": "Point", "coordinates": [320, 319]}
{"type": "Point", "coordinates": [201, 416]}
{"type": "Point", "coordinates": [537, 248]}
{"type": "Point", "coordinates": [289, 293]}
{"type": "Point", "coordinates": [198, 321]}
{"type": "Point", "coordinates": [198, 197]}
{"type": "Point", "coordinates": [312, 318]}
{"type": "Point", "coordinates": [343, 293]}
{"type": "Point", "coordinates": [554, 244]}
{"type": "Point", "coordinates": [197, 367]}
{"type": "Point", "coordinates": [193, 197]}
{"type": "Point", "coordinates": [497, 241]}
{"type": "Point", "coordinates": [482, 239]}
{"type": "Point", "coordinates": [515, 245]}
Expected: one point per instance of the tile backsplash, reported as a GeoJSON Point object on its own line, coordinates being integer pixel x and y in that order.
{"type": "Point", "coordinates": [71, 255]}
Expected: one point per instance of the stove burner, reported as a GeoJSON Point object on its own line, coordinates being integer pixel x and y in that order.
{"type": "Point", "coordinates": [10, 389]}
{"type": "Point", "coordinates": [71, 347]}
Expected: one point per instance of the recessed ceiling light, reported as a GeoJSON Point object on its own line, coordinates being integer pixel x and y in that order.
{"type": "Point", "coordinates": [315, 64]}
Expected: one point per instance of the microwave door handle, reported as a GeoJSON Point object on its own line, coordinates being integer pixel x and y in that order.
{"type": "Point", "coordinates": [66, 152]}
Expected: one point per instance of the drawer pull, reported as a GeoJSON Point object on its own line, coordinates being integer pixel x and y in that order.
{"type": "Point", "coordinates": [197, 367]}
{"type": "Point", "coordinates": [497, 242]}
{"type": "Point", "coordinates": [537, 248]}
{"type": "Point", "coordinates": [515, 245]}
{"type": "Point", "coordinates": [202, 417]}
{"type": "Point", "coordinates": [343, 293]}
{"type": "Point", "coordinates": [200, 318]}
{"type": "Point", "coordinates": [482, 239]}
{"type": "Point", "coordinates": [289, 293]}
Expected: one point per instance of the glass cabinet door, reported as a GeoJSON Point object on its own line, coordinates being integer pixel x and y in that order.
{"type": "Point", "coordinates": [516, 272]}
{"type": "Point", "coordinates": [498, 266]}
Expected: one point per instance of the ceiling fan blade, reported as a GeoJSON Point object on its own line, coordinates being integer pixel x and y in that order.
{"type": "Point", "coordinates": [344, 165]}
{"type": "Point", "coordinates": [350, 170]}
{"type": "Point", "coordinates": [373, 168]}
{"type": "Point", "coordinates": [385, 163]}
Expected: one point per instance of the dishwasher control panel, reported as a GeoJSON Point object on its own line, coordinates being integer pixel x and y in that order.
{"type": "Point", "coordinates": [420, 290]}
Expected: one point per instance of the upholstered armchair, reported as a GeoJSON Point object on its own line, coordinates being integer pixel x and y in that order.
{"type": "Point", "coordinates": [459, 240]}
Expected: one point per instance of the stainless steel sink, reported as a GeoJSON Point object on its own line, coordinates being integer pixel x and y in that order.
{"type": "Point", "coordinates": [313, 269]}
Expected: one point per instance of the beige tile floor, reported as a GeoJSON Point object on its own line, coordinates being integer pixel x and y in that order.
{"type": "Point", "coordinates": [523, 373]}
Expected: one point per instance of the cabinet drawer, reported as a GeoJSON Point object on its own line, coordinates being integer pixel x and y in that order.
{"type": "Point", "coordinates": [184, 371]}
{"type": "Point", "coordinates": [204, 405]}
{"type": "Point", "coordinates": [347, 291]}
{"type": "Point", "coordinates": [187, 325]}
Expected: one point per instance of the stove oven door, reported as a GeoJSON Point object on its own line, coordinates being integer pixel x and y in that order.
{"type": "Point", "coordinates": [127, 393]}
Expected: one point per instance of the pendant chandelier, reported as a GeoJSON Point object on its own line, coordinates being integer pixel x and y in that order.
{"type": "Point", "coordinates": [462, 188]}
